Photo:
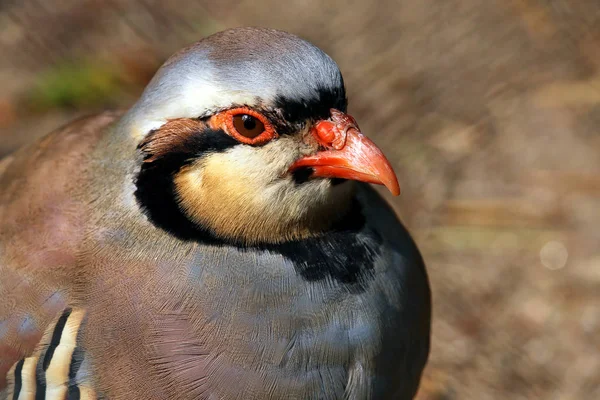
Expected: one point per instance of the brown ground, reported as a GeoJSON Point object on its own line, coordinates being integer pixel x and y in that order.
{"type": "Point", "coordinates": [489, 109]}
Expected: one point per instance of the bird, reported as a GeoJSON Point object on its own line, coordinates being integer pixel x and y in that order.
{"type": "Point", "coordinates": [219, 239]}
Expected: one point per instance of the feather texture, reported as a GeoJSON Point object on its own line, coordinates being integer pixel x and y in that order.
{"type": "Point", "coordinates": [101, 299]}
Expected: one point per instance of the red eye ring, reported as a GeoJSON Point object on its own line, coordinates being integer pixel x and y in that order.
{"type": "Point", "coordinates": [225, 120]}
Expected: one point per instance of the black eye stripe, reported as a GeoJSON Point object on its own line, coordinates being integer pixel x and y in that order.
{"type": "Point", "coordinates": [155, 190]}
{"type": "Point", "coordinates": [296, 111]}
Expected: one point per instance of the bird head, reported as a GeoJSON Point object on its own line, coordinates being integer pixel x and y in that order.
{"type": "Point", "coordinates": [244, 137]}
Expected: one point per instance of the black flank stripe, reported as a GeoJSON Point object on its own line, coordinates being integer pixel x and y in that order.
{"type": "Point", "coordinates": [40, 385]}
{"type": "Point", "coordinates": [73, 393]}
{"type": "Point", "coordinates": [55, 341]}
{"type": "Point", "coordinates": [76, 361]}
{"type": "Point", "coordinates": [18, 381]}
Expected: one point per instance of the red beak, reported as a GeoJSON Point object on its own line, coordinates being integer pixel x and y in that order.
{"type": "Point", "coordinates": [348, 154]}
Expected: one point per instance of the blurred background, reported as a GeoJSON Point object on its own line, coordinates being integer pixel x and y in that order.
{"type": "Point", "coordinates": [488, 109]}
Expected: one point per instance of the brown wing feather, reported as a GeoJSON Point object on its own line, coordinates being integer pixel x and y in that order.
{"type": "Point", "coordinates": [41, 226]}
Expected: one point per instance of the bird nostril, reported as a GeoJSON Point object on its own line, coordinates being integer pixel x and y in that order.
{"type": "Point", "coordinates": [333, 134]}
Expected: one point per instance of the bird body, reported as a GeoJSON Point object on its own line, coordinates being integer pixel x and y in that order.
{"type": "Point", "coordinates": [190, 253]}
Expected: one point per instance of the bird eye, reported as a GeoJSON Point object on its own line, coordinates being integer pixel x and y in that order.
{"type": "Point", "coordinates": [248, 126]}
